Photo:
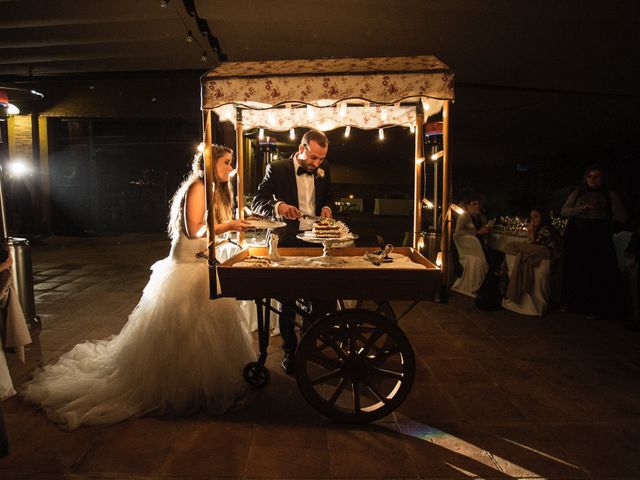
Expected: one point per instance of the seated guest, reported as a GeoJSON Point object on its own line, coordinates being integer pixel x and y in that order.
{"type": "Point", "coordinates": [473, 221]}
{"type": "Point", "coordinates": [542, 232]}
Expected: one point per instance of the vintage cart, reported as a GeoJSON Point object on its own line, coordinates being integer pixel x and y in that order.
{"type": "Point", "coordinates": [356, 364]}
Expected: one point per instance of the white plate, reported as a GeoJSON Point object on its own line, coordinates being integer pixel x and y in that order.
{"type": "Point", "coordinates": [264, 223]}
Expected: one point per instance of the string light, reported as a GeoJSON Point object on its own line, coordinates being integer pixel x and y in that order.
{"type": "Point", "coordinates": [342, 111]}
{"type": "Point", "coordinates": [164, 3]}
{"type": "Point", "coordinates": [436, 156]}
{"type": "Point", "coordinates": [261, 134]}
{"type": "Point", "coordinates": [204, 56]}
{"type": "Point", "coordinates": [347, 131]}
{"type": "Point", "coordinates": [189, 37]}
{"type": "Point", "coordinates": [292, 134]}
{"type": "Point", "coordinates": [381, 134]}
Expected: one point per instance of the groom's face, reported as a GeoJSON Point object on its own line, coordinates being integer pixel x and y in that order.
{"type": "Point", "coordinates": [311, 156]}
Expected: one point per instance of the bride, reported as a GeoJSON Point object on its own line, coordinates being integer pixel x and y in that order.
{"type": "Point", "coordinates": [179, 352]}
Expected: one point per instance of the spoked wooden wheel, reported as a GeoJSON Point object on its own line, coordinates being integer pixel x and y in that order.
{"type": "Point", "coordinates": [354, 366]}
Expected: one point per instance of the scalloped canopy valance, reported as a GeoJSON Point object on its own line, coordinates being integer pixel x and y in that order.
{"type": "Point", "coordinates": [328, 93]}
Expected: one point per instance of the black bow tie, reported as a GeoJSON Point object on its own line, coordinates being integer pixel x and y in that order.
{"type": "Point", "coordinates": [301, 171]}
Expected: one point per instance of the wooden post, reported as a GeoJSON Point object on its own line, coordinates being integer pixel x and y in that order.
{"type": "Point", "coordinates": [209, 199]}
{"type": "Point", "coordinates": [417, 182]}
{"type": "Point", "coordinates": [445, 241]}
{"type": "Point", "coordinates": [240, 167]}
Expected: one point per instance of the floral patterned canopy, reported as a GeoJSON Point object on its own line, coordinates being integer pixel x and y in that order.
{"type": "Point", "coordinates": [365, 93]}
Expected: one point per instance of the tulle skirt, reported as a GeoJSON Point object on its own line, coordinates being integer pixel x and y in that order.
{"type": "Point", "coordinates": [179, 353]}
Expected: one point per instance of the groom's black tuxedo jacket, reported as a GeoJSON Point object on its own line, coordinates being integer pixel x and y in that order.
{"type": "Point", "coordinates": [279, 185]}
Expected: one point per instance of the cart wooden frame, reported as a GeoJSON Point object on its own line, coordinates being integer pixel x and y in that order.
{"type": "Point", "coordinates": [354, 365]}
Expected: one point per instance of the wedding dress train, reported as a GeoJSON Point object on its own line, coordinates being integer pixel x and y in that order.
{"type": "Point", "coordinates": [178, 353]}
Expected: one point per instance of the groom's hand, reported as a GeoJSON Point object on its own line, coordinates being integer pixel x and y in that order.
{"type": "Point", "coordinates": [289, 211]}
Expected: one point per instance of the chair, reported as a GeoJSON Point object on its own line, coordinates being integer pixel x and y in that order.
{"type": "Point", "coordinates": [535, 301]}
{"type": "Point", "coordinates": [474, 265]}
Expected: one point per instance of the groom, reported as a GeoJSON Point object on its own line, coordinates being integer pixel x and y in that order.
{"type": "Point", "coordinates": [300, 185]}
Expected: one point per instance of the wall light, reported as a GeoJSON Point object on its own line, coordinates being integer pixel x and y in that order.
{"type": "Point", "coordinates": [12, 110]}
{"type": "Point", "coordinates": [18, 168]}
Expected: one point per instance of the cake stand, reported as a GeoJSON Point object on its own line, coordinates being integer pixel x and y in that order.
{"type": "Point", "coordinates": [327, 244]}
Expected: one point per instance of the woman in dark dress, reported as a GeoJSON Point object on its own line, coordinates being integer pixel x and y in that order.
{"type": "Point", "coordinates": [591, 278]}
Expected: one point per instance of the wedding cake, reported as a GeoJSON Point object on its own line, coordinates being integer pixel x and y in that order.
{"type": "Point", "coordinates": [329, 228]}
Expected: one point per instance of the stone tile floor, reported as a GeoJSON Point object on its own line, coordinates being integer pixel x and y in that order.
{"type": "Point", "coordinates": [497, 395]}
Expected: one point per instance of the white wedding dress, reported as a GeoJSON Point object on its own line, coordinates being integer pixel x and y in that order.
{"type": "Point", "coordinates": [179, 353]}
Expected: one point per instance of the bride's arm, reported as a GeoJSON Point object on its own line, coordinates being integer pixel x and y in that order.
{"type": "Point", "coordinates": [195, 215]}
{"type": "Point", "coordinates": [194, 209]}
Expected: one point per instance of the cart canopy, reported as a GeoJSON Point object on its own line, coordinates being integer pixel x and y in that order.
{"type": "Point", "coordinates": [365, 93]}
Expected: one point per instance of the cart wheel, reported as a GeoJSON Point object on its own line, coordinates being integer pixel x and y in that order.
{"type": "Point", "coordinates": [354, 366]}
{"type": "Point", "coordinates": [256, 375]}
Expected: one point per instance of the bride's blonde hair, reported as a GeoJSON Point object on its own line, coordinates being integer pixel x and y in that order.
{"type": "Point", "coordinates": [222, 198]}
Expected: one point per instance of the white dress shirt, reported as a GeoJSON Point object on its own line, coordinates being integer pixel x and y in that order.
{"type": "Point", "coordinates": [306, 196]}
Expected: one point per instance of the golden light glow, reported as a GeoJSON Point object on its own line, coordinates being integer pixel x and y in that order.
{"type": "Point", "coordinates": [459, 210]}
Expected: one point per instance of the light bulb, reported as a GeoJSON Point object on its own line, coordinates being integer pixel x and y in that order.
{"type": "Point", "coordinates": [343, 110]}
{"type": "Point", "coordinates": [381, 134]}
{"type": "Point", "coordinates": [204, 56]}
{"type": "Point", "coordinates": [412, 128]}
{"type": "Point", "coordinates": [261, 134]}
{"type": "Point", "coordinates": [201, 147]}
{"type": "Point", "coordinates": [18, 168]}
{"type": "Point", "coordinates": [292, 134]}
{"type": "Point", "coordinates": [189, 37]}
{"type": "Point", "coordinates": [347, 131]}
{"type": "Point", "coordinates": [437, 155]}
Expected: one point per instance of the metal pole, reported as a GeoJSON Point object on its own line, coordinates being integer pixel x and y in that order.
{"type": "Point", "coordinates": [5, 231]}
{"type": "Point", "coordinates": [240, 167]}
{"type": "Point", "coordinates": [209, 195]}
{"type": "Point", "coordinates": [417, 188]}
{"type": "Point", "coordinates": [435, 195]}
{"type": "Point", "coordinates": [446, 201]}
